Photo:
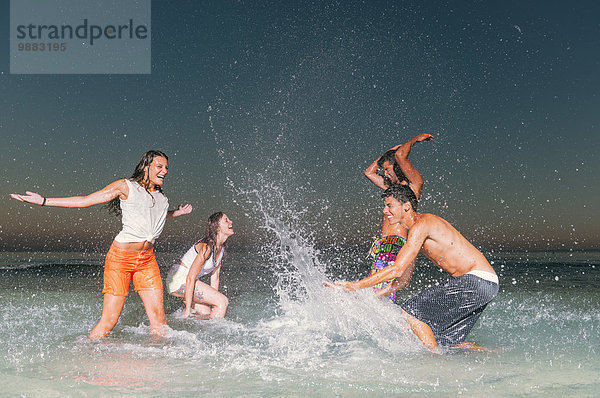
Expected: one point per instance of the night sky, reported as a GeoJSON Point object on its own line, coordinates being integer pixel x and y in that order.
{"type": "Point", "coordinates": [284, 104]}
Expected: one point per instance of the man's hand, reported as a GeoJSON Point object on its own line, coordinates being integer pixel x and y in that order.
{"type": "Point", "coordinates": [345, 286]}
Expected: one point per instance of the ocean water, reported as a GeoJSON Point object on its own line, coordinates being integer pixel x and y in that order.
{"type": "Point", "coordinates": [287, 335]}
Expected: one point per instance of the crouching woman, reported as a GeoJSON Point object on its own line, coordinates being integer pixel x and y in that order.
{"type": "Point", "coordinates": [203, 258]}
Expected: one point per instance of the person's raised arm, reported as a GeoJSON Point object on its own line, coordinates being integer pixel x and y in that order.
{"type": "Point", "coordinates": [371, 172]}
{"type": "Point", "coordinates": [190, 280]}
{"type": "Point", "coordinates": [181, 210]}
{"type": "Point", "coordinates": [414, 177]}
{"type": "Point", "coordinates": [106, 194]}
{"type": "Point", "coordinates": [404, 262]}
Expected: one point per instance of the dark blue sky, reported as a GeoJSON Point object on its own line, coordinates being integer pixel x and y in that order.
{"type": "Point", "coordinates": [294, 99]}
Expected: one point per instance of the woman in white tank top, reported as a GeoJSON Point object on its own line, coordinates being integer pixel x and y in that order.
{"type": "Point", "coordinates": [144, 210]}
{"type": "Point", "coordinates": [203, 258]}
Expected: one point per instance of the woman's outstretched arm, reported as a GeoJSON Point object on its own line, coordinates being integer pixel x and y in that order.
{"type": "Point", "coordinates": [106, 194]}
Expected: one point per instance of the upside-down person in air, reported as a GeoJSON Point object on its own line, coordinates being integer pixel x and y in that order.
{"type": "Point", "coordinates": [397, 169]}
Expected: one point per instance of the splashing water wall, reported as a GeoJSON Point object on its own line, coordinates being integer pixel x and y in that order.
{"type": "Point", "coordinates": [313, 325]}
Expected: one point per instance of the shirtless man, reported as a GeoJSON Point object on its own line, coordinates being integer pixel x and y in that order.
{"type": "Point", "coordinates": [443, 314]}
{"type": "Point", "coordinates": [397, 170]}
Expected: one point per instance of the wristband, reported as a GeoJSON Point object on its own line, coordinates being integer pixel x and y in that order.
{"type": "Point", "coordinates": [44, 202]}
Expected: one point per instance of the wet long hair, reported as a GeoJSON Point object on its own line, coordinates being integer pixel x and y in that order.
{"type": "Point", "coordinates": [390, 156]}
{"type": "Point", "coordinates": [210, 232]}
{"type": "Point", "coordinates": [139, 175]}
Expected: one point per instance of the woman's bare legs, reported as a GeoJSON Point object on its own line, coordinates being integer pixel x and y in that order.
{"type": "Point", "coordinates": [153, 303]}
{"type": "Point", "coordinates": [112, 306]}
{"type": "Point", "coordinates": [211, 298]}
{"type": "Point", "coordinates": [202, 311]}
{"type": "Point", "coordinates": [209, 303]}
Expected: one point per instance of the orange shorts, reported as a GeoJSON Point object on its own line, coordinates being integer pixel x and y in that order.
{"type": "Point", "coordinates": [123, 265]}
